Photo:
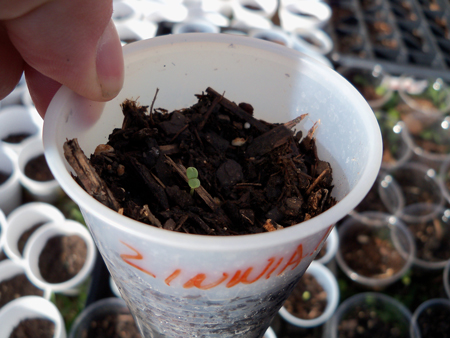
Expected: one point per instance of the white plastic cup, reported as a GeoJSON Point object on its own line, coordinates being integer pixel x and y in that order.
{"type": "Point", "coordinates": [3, 225]}
{"type": "Point", "coordinates": [428, 305]}
{"type": "Point", "coordinates": [246, 9]}
{"type": "Point", "coordinates": [102, 307]}
{"type": "Point", "coordinates": [274, 35]}
{"type": "Point", "coordinates": [328, 281]}
{"type": "Point", "coordinates": [332, 245]}
{"type": "Point", "coordinates": [27, 308]}
{"type": "Point", "coordinates": [43, 191]}
{"type": "Point", "coordinates": [19, 120]}
{"type": "Point", "coordinates": [183, 284]}
{"type": "Point", "coordinates": [379, 302]}
{"type": "Point", "coordinates": [304, 15]}
{"type": "Point", "coordinates": [10, 269]}
{"type": "Point", "coordinates": [136, 30]}
{"type": "Point", "coordinates": [383, 226]}
{"type": "Point", "coordinates": [195, 26]}
{"type": "Point", "coordinates": [10, 190]}
{"type": "Point", "coordinates": [421, 179]}
{"type": "Point", "coordinates": [314, 39]}
{"type": "Point", "coordinates": [24, 218]}
{"type": "Point", "coordinates": [270, 333]}
{"type": "Point", "coordinates": [36, 244]}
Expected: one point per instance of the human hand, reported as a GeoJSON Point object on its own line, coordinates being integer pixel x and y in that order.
{"type": "Point", "coordinates": [69, 42]}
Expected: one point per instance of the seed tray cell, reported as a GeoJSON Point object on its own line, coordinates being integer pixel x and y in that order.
{"type": "Point", "coordinates": [403, 36]}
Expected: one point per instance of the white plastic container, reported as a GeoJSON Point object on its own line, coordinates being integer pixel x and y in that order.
{"type": "Point", "coordinates": [246, 9]}
{"type": "Point", "coordinates": [17, 119]}
{"type": "Point", "coordinates": [328, 281]}
{"type": "Point", "coordinates": [10, 190]}
{"type": "Point", "coordinates": [274, 35]}
{"type": "Point", "coordinates": [43, 191]}
{"type": "Point", "coordinates": [298, 15]}
{"type": "Point", "coordinates": [332, 245]}
{"type": "Point", "coordinates": [24, 218]}
{"type": "Point", "coordinates": [36, 244]}
{"type": "Point", "coordinates": [9, 269]}
{"type": "Point", "coordinates": [3, 225]}
{"type": "Point", "coordinates": [30, 307]}
{"type": "Point", "coordinates": [195, 26]}
{"type": "Point", "coordinates": [171, 275]}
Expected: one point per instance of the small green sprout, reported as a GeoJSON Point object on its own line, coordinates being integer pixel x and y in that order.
{"type": "Point", "coordinates": [193, 181]}
{"type": "Point", "coordinates": [306, 296]}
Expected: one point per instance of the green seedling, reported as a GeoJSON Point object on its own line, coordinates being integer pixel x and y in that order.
{"type": "Point", "coordinates": [193, 181]}
{"type": "Point", "coordinates": [306, 296]}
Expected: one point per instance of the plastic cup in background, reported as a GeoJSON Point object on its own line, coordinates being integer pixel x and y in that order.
{"type": "Point", "coordinates": [246, 9]}
{"type": "Point", "coordinates": [10, 269]}
{"type": "Point", "coordinates": [3, 225]}
{"type": "Point", "coordinates": [19, 120]}
{"type": "Point", "coordinates": [98, 309]}
{"type": "Point", "coordinates": [390, 311]}
{"type": "Point", "coordinates": [328, 281]}
{"type": "Point", "coordinates": [24, 218]}
{"type": "Point", "coordinates": [396, 141]}
{"type": "Point", "coordinates": [430, 254]}
{"type": "Point", "coordinates": [314, 39]}
{"type": "Point", "coordinates": [444, 179]}
{"type": "Point", "coordinates": [195, 26]}
{"type": "Point", "coordinates": [331, 246]}
{"type": "Point", "coordinates": [181, 284]}
{"type": "Point", "coordinates": [10, 189]}
{"type": "Point", "coordinates": [446, 279]}
{"type": "Point", "coordinates": [270, 333]}
{"type": "Point", "coordinates": [439, 310]}
{"type": "Point", "coordinates": [296, 15]}
{"type": "Point", "coordinates": [36, 244]}
{"type": "Point", "coordinates": [274, 35]}
{"type": "Point", "coordinates": [419, 185]}
{"type": "Point", "coordinates": [380, 227]}
{"type": "Point", "coordinates": [384, 196]}
{"type": "Point", "coordinates": [30, 307]}
{"type": "Point", "coordinates": [44, 191]}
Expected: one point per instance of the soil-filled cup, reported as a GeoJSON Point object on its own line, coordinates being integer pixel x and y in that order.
{"type": "Point", "coordinates": [329, 283]}
{"type": "Point", "coordinates": [23, 221]}
{"type": "Point", "coordinates": [60, 256]}
{"type": "Point", "coordinates": [369, 314]}
{"type": "Point", "coordinates": [10, 189]}
{"type": "Point", "coordinates": [185, 285]}
{"type": "Point", "coordinates": [29, 308]}
{"type": "Point", "coordinates": [430, 319]}
{"type": "Point", "coordinates": [375, 252]}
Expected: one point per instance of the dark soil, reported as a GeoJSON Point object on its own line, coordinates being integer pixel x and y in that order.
{"type": "Point", "coordinates": [434, 322]}
{"type": "Point", "coordinates": [308, 300]}
{"type": "Point", "coordinates": [432, 239]}
{"type": "Point", "coordinates": [4, 177]}
{"type": "Point", "coordinates": [364, 322]}
{"type": "Point", "coordinates": [370, 254]}
{"type": "Point", "coordinates": [16, 138]}
{"type": "Point", "coordinates": [25, 236]}
{"type": "Point", "coordinates": [112, 326]}
{"type": "Point", "coordinates": [415, 189]}
{"type": "Point", "coordinates": [15, 287]}
{"type": "Point", "coordinates": [3, 256]}
{"type": "Point", "coordinates": [255, 176]}
{"type": "Point", "coordinates": [62, 258]}
{"type": "Point", "coordinates": [37, 169]}
{"type": "Point", "coordinates": [372, 201]}
{"type": "Point", "coordinates": [34, 328]}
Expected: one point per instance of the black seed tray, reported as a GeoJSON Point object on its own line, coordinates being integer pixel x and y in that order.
{"type": "Point", "coordinates": [403, 36]}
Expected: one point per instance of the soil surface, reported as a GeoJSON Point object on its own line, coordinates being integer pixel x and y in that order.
{"type": "Point", "coordinates": [364, 322]}
{"type": "Point", "coordinates": [432, 240]}
{"type": "Point", "coordinates": [4, 177]}
{"type": "Point", "coordinates": [15, 287]}
{"type": "Point", "coordinates": [3, 256]}
{"type": "Point", "coordinates": [25, 236]}
{"type": "Point", "coordinates": [37, 169]}
{"type": "Point", "coordinates": [434, 322]}
{"type": "Point", "coordinates": [62, 258]}
{"type": "Point", "coordinates": [112, 326]}
{"type": "Point", "coordinates": [34, 328]}
{"type": "Point", "coordinates": [308, 300]}
{"type": "Point", "coordinates": [370, 254]}
{"type": "Point", "coordinates": [254, 176]}
{"type": "Point", "coordinates": [16, 138]}
{"type": "Point", "coordinates": [372, 201]}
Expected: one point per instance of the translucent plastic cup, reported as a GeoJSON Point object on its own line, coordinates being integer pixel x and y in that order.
{"type": "Point", "coordinates": [181, 285]}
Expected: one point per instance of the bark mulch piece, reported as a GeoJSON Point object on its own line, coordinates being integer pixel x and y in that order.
{"type": "Point", "coordinates": [34, 328]}
{"type": "Point", "coordinates": [37, 169]}
{"type": "Point", "coordinates": [15, 287]}
{"type": "Point", "coordinates": [308, 300]}
{"type": "Point", "coordinates": [112, 326]}
{"type": "Point", "coordinates": [255, 176]}
{"type": "Point", "coordinates": [62, 258]}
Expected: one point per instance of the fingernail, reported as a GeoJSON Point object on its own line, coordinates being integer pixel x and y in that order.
{"type": "Point", "coordinates": [109, 62]}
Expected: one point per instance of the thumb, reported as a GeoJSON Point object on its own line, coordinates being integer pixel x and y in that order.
{"type": "Point", "coordinates": [74, 43]}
